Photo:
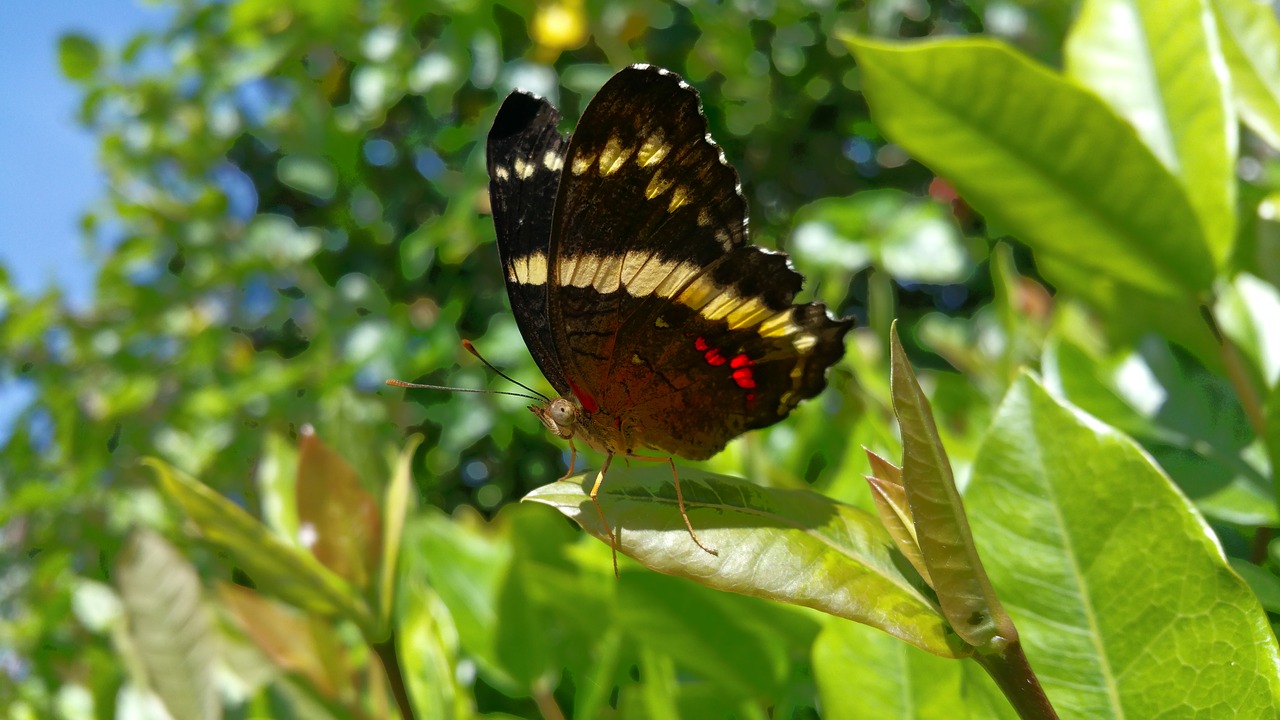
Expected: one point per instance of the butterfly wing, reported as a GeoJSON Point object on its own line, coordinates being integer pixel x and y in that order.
{"type": "Point", "coordinates": [525, 153]}
{"type": "Point", "coordinates": [667, 318]}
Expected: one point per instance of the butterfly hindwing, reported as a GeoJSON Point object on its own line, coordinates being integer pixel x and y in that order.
{"type": "Point", "coordinates": [525, 154]}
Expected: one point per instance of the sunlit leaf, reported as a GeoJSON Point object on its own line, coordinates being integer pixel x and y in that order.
{"type": "Point", "coordinates": [170, 626]}
{"type": "Point", "coordinates": [865, 674]}
{"type": "Point", "coordinates": [1251, 46]}
{"type": "Point", "coordinates": [1157, 64]}
{"type": "Point", "coordinates": [942, 529]}
{"type": "Point", "coordinates": [1039, 155]}
{"type": "Point", "coordinates": [786, 545]}
{"type": "Point", "coordinates": [1122, 596]}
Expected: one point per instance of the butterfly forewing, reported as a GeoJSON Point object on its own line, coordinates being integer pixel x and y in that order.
{"type": "Point", "coordinates": [666, 317]}
{"type": "Point", "coordinates": [525, 154]}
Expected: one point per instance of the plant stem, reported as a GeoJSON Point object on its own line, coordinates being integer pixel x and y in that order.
{"type": "Point", "coordinates": [386, 651]}
{"type": "Point", "coordinates": [1239, 378]}
{"type": "Point", "coordinates": [1013, 675]}
{"type": "Point", "coordinates": [546, 702]}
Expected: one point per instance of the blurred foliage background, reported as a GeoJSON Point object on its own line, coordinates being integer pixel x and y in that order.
{"type": "Point", "coordinates": [298, 211]}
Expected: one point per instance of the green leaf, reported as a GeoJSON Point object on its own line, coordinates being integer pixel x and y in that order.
{"type": "Point", "coordinates": [1039, 155]}
{"type": "Point", "coordinates": [395, 507]}
{"type": "Point", "coordinates": [965, 593]}
{"type": "Point", "coordinates": [78, 56]}
{"type": "Point", "coordinates": [1124, 601]}
{"type": "Point", "coordinates": [337, 511]}
{"type": "Point", "coordinates": [427, 643]}
{"type": "Point", "coordinates": [864, 674]}
{"type": "Point", "coordinates": [466, 568]}
{"type": "Point", "coordinates": [709, 633]}
{"type": "Point", "coordinates": [1250, 38]}
{"type": "Point", "coordinates": [277, 568]}
{"type": "Point", "coordinates": [1133, 313]}
{"type": "Point", "coordinates": [1158, 65]}
{"type": "Point", "coordinates": [171, 629]}
{"type": "Point", "coordinates": [787, 545]}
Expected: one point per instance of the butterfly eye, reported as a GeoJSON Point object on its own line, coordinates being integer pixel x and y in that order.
{"type": "Point", "coordinates": [563, 412]}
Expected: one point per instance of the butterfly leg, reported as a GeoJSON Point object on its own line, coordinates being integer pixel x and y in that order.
{"type": "Point", "coordinates": [573, 455]}
{"type": "Point", "coordinates": [613, 538]}
{"type": "Point", "coordinates": [680, 501]}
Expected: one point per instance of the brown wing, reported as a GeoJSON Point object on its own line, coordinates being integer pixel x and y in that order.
{"type": "Point", "coordinates": [667, 318]}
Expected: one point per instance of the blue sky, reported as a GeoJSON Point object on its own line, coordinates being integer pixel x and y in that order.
{"type": "Point", "coordinates": [50, 175]}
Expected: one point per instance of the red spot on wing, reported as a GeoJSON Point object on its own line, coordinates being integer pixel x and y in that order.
{"type": "Point", "coordinates": [700, 344]}
{"type": "Point", "coordinates": [588, 402]}
{"type": "Point", "coordinates": [740, 361]}
{"type": "Point", "coordinates": [743, 377]}
{"type": "Point", "coordinates": [714, 357]}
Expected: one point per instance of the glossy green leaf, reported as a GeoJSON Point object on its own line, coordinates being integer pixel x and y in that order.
{"type": "Point", "coordinates": [1040, 156]}
{"type": "Point", "coordinates": [337, 512]}
{"type": "Point", "coordinates": [1123, 599]}
{"type": "Point", "coordinates": [276, 567]}
{"type": "Point", "coordinates": [1158, 65]}
{"type": "Point", "coordinates": [1251, 46]}
{"type": "Point", "coordinates": [170, 627]}
{"type": "Point", "coordinates": [964, 592]}
{"type": "Point", "coordinates": [865, 674]}
{"type": "Point", "coordinates": [786, 545]}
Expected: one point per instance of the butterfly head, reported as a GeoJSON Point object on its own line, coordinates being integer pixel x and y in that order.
{"type": "Point", "coordinates": [559, 415]}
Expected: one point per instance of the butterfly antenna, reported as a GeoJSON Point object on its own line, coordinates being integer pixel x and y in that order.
{"type": "Point", "coordinates": [472, 349]}
{"type": "Point", "coordinates": [420, 386]}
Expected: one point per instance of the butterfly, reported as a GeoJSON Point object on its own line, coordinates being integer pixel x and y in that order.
{"type": "Point", "coordinates": [628, 267]}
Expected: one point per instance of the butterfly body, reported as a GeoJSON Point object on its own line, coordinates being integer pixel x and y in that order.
{"type": "Point", "coordinates": [627, 262]}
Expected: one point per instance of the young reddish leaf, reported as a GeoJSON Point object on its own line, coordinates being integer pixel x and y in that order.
{"type": "Point", "coordinates": [894, 510]}
{"type": "Point", "coordinates": [283, 634]}
{"type": "Point", "coordinates": [968, 601]}
{"type": "Point", "coordinates": [337, 515]}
